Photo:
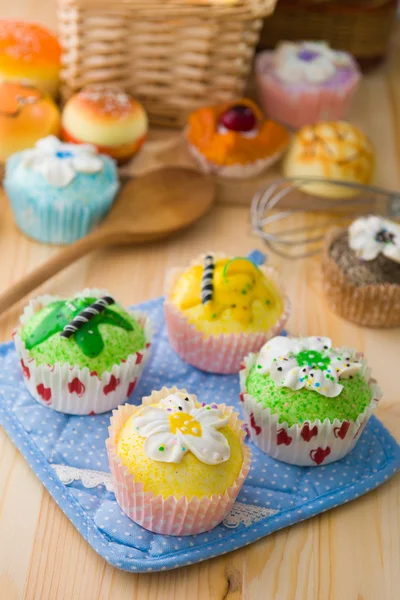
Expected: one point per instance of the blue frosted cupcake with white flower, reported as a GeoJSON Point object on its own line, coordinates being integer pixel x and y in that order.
{"type": "Point", "coordinates": [59, 192]}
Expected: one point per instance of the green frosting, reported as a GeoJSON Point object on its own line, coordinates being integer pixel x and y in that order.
{"type": "Point", "coordinates": [306, 405]}
{"type": "Point", "coordinates": [106, 340]}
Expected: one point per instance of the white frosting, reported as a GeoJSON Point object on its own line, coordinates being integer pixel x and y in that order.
{"type": "Point", "coordinates": [309, 363]}
{"type": "Point", "coordinates": [291, 68]}
{"type": "Point", "coordinates": [246, 134]}
{"type": "Point", "coordinates": [177, 426]}
{"type": "Point", "coordinates": [371, 236]}
{"type": "Point", "coordinates": [59, 163]}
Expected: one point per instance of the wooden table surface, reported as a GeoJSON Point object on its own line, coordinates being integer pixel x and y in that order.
{"type": "Point", "coordinates": [350, 553]}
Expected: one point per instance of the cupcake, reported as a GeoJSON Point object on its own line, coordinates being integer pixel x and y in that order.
{"type": "Point", "coordinates": [109, 119]}
{"type": "Point", "coordinates": [336, 150]}
{"type": "Point", "coordinates": [26, 115]}
{"type": "Point", "coordinates": [234, 139]}
{"type": "Point", "coordinates": [59, 192]}
{"type": "Point", "coordinates": [83, 355]}
{"type": "Point", "coordinates": [220, 309]}
{"type": "Point", "coordinates": [177, 465]}
{"type": "Point", "coordinates": [361, 272]}
{"type": "Point", "coordinates": [306, 403]}
{"type": "Point", "coordinates": [301, 83]}
{"type": "Point", "coordinates": [29, 53]}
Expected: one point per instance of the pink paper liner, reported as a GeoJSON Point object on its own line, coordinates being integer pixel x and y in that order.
{"type": "Point", "coordinates": [310, 444]}
{"type": "Point", "coordinates": [374, 305]}
{"type": "Point", "coordinates": [298, 106]}
{"type": "Point", "coordinates": [170, 516]}
{"type": "Point", "coordinates": [71, 390]}
{"type": "Point", "coordinates": [216, 354]}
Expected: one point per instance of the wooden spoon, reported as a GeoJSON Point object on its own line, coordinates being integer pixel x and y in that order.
{"type": "Point", "coordinates": [149, 208]}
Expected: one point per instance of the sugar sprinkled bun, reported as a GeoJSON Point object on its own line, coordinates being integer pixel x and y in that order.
{"type": "Point", "coordinates": [108, 118]}
{"type": "Point", "coordinates": [29, 53]}
{"type": "Point", "coordinates": [26, 115]}
{"type": "Point", "coordinates": [333, 150]}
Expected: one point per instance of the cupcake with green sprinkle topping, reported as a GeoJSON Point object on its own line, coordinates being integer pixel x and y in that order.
{"type": "Point", "coordinates": [82, 355]}
{"type": "Point", "coordinates": [304, 402]}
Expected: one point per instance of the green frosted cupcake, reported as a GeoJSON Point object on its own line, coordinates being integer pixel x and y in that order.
{"type": "Point", "coordinates": [305, 402]}
{"type": "Point", "coordinates": [84, 354]}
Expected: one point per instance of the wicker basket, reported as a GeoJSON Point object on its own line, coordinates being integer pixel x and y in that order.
{"type": "Point", "coordinates": [173, 55]}
{"type": "Point", "coordinates": [361, 27]}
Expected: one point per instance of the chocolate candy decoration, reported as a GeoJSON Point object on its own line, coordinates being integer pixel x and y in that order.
{"type": "Point", "coordinates": [86, 315]}
{"type": "Point", "coordinates": [207, 286]}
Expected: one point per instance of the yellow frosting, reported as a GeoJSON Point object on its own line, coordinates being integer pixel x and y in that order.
{"type": "Point", "coordinates": [244, 299]}
{"type": "Point", "coordinates": [190, 477]}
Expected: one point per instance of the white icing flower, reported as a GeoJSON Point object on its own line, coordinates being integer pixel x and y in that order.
{"type": "Point", "coordinates": [371, 236]}
{"type": "Point", "coordinates": [177, 426]}
{"type": "Point", "coordinates": [59, 163]}
{"type": "Point", "coordinates": [313, 62]}
{"type": "Point", "coordinates": [309, 363]}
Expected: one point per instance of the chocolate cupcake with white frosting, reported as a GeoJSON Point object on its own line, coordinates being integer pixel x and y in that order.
{"type": "Point", "coordinates": [361, 272]}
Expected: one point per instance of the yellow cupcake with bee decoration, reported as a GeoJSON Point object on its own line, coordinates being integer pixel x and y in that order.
{"type": "Point", "coordinates": [221, 308]}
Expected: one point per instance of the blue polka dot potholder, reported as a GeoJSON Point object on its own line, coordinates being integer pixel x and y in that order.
{"type": "Point", "coordinates": [68, 454]}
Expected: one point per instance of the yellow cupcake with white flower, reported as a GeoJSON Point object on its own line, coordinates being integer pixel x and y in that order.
{"type": "Point", "coordinates": [178, 458]}
{"type": "Point", "coordinates": [219, 305]}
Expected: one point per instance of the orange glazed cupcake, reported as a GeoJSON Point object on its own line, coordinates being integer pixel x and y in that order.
{"type": "Point", "coordinates": [26, 115]}
{"type": "Point", "coordinates": [29, 53]}
{"type": "Point", "coordinates": [234, 139]}
{"type": "Point", "coordinates": [108, 118]}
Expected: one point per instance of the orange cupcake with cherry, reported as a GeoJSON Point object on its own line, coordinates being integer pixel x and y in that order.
{"type": "Point", "coordinates": [108, 118]}
{"type": "Point", "coordinates": [234, 139]}
{"type": "Point", "coordinates": [31, 54]}
{"type": "Point", "coordinates": [26, 115]}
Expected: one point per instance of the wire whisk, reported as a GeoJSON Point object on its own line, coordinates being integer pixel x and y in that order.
{"type": "Point", "coordinates": [293, 195]}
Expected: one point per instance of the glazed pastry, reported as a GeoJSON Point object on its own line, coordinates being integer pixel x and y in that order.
{"type": "Point", "coordinates": [361, 272]}
{"type": "Point", "coordinates": [108, 118]}
{"type": "Point", "coordinates": [26, 115]}
{"type": "Point", "coordinates": [305, 402]}
{"type": "Point", "coordinates": [234, 139]}
{"type": "Point", "coordinates": [81, 355]}
{"type": "Point", "coordinates": [177, 465]}
{"type": "Point", "coordinates": [336, 150]}
{"type": "Point", "coordinates": [29, 53]}
{"type": "Point", "coordinates": [220, 308]}
{"type": "Point", "coordinates": [59, 192]}
{"type": "Point", "coordinates": [301, 83]}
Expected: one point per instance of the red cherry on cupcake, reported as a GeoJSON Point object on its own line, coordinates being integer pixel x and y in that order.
{"type": "Point", "coordinates": [239, 118]}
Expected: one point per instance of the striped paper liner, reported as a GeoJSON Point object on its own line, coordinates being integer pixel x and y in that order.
{"type": "Point", "coordinates": [170, 516]}
{"type": "Point", "coordinates": [216, 354]}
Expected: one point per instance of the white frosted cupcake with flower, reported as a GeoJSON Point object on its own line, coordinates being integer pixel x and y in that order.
{"type": "Point", "coordinates": [177, 464]}
{"type": "Point", "coordinates": [361, 271]}
{"type": "Point", "coordinates": [300, 83]}
{"type": "Point", "coordinates": [306, 402]}
{"type": "Point", "coordinates": [59, 192]}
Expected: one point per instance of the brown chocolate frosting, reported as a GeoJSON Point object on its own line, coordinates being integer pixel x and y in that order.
{"type": "Point", "coordinates": [363, 272]}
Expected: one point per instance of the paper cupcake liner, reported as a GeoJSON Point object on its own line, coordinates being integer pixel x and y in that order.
{"type": "Point", "coordinates": [216, 354]}
{"type": "Point", "coordinates": [237, 171]}
{"type": "Point", "coordinates": [367, 305]}
{"type": "Point", "coordinates": [52, 223]}
{"type": "Point", "coordinates": [310, 444]}
{"type": "Point", "coordinates": [71, 390]}
{"type": "Point", "coordinates": [170, 516]}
